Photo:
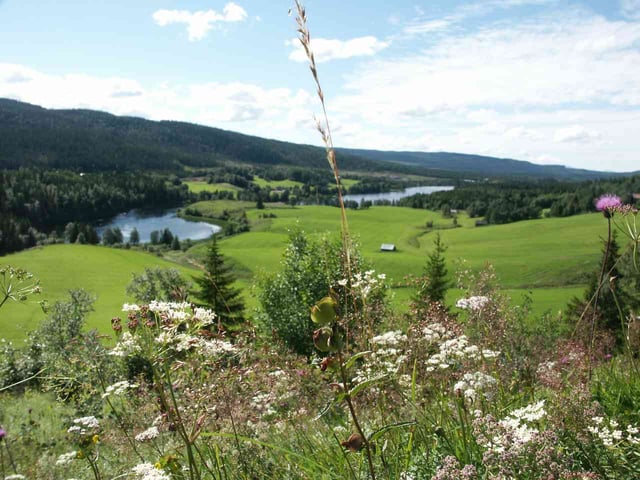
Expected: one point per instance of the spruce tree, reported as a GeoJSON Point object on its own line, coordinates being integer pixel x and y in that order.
{"type": "Point", "coordinates": [435, 283]}
{"type": "Point", "coordinates": [216, 292]}
{"type": "Point", "coordinates": [606, 304]}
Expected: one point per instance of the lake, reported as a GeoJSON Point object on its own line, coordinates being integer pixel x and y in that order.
{"type": "Point", "coordinates": [391, 196]}
{"type": "Point", "coordinates": [147, 222]}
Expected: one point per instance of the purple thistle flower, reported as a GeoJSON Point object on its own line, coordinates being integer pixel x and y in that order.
{"type": "Point", "coordinates": [3, 433]}
{"type": "Point", "coordinates": [608, 202]}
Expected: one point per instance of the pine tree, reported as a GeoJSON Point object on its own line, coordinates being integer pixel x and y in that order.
{"type": "Point", "coordinates": [216, 292]}
{"type": "Point", "coordinates": [605, 306]}
{"type": "Point", "coordinates": [435, 284]}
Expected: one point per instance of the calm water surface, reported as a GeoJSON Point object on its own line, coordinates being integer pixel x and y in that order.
{"type": "Point", "coordinates": [391, 196]}
{"type": "Point", "coordinates": [147, 222]}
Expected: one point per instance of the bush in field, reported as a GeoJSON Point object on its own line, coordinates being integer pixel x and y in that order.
{"type": "Point", "coordinates": [309, 269]}
{"type": "Point", "coordinates": [156, 283]}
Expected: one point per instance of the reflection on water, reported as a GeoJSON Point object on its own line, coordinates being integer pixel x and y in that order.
{"type": "Point", "coordinates": [391, 196]}
{"type": "Point", "coordinates": [147, 222]}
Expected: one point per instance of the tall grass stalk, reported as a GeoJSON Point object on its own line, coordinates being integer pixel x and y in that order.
{"type": "Point", "coordinates": [324, 128]}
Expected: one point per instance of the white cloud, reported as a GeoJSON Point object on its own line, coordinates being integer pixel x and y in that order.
{"type": "Point", "coordinates": [427, 26]}
{"type": "Point", "coordinates": [631, 8]}
{"type": "Point", "coordinates": [238, 106]}
{"type": "Point", "coordinates": [200, 22]}
{"type": "Point", "coordinates": [325, 49]}
{"type": "Point", "coordinates": [576, 133]}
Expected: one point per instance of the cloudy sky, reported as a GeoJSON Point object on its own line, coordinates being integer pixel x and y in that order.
{"type": "Point", "coordinates": [549, 81]}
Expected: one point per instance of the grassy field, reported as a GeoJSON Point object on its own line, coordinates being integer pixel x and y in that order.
{"type": "Point", "coordinates": [199, 186]}
{"type": "Point", "coordinates": [546, 259]}
{"type": "Point", "coordinates": [534, 254]}
{"type": "Point", "coordinates": [102, 271]}
{"type": "Point", "coordinates": [262, 183]}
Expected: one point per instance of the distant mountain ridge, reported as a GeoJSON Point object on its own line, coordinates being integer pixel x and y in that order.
{"type": "Point", "coordinates": [483, 165]}
{"type": "Point", "coordinates": [92, 140]}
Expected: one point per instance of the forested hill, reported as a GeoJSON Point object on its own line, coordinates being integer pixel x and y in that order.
{"type": "Point", "coordinates": [97, 141]}
{"type": "Point", "coordinates": [481, 165]}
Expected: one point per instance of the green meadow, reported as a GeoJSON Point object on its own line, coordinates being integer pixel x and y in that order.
{"type": "Point", "coordinates": [199, 186]}
{"type": "Point", "coordinates": [286, 183]}
{"type": "Point", "coordinates": [103, 271]}
{"type": "Point", "coordinates": [547, 259]}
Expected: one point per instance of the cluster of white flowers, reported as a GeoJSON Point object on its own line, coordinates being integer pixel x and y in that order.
{"type": "Point", "coordinates": [385, 360]}
{"type": "Point", "coordinates": [15, 476]}
{"type": "Point", "coordinates": [66, 458]}
{"type": "Point", "coordinates": [472, 303]}
{"type": "Point", "coordinates": [85, 426]}
{"type": "Point", "coordinates": [473, 383]}
{"type": "Point", "coordinates": [391, 338]}
{"type": "Point", "coordinates": [130, 307]}
{"type": "Point", "coordinates": [183, 342]}
{"type": "Point", "coordinates": [435, 332]}
{"type": "Point", "coordinates": [204, 316]}
{"type": "Point", "coordinates": [518, 431]}
{"type": "Point", "coordinates": [149, 434]}
{"type": "Point", "coordinates": [147, 471]}
{"type": "Point", "coordinates": [126, 346]}
{"type": "Point", "coordinates": [263, 402]}
{"type": "Point", "coordinates": [216, 347]}
{"type": "Point", "coordinates": [167, 307]}
{"type": "Point", "coordinates": [363, 283]}
{"type": "Point", "coordinates": [530, 413]}
{"type": "Point", "coordinates": [455, 350]}
{"type": "Point", "coordinates": [610, 432]}
{"type": "Point", "coordinates": [118, 388]}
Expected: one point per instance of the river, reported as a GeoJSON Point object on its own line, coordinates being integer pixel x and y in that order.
{"type": "Point", "coordinates": [147, 222]}
{"type": "Point", "coordinates": [391, 196]}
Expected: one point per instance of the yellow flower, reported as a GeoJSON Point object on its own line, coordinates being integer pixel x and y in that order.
{"type": "Point", "coordinates": [95, 438]}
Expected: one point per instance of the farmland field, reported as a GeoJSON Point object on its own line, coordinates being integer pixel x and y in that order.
{"type": "Point", "coordinates": [547, 259]}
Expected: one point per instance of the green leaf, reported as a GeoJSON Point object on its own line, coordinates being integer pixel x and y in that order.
{"type": "Point", "coordinates": [366, 384]}
{"type": "Point", "coordinates": [349, 363]}
{"type": "Point", "coordinates": [391, 426]}
{"type": "Point", "coordinates": [323, 313]}
{"type": "Point", "coordinates": [322, 339]}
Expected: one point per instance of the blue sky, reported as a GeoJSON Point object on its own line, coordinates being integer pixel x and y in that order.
{"type": "Point", "coordinates": [548, 81]}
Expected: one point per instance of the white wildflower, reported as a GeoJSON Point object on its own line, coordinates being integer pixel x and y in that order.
{"type": "Point", "coordinates": [126, 346]}
{"type": "Point", "coordinates": [147, 471]}
{"type": "Point", "coordinates": [130, 307]}
{"type": "Point", "coordinates": [85, 425]}
{"type": "Point", "coordinates": [66, 458]}
{"type": "Point", "coordinates": [530, 413]}
{"type": "Point", "coordinates": [149, 434]}
{"type": "Point", "coordinates": [472, 303]}
{"type": "Point", "coordinates": [204, 316]}
{"type": "Point", "coordinates": [216, 347]}
{"type": "Point", "coordinates": [118, 388]}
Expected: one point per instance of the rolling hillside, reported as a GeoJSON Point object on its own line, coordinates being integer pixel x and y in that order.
{"type": "Point", "coordinates": [514, 250]}
{"type": "Point", "coordinates": [482, 165]}
{"type": "Point", "coordinates": [95, 141]}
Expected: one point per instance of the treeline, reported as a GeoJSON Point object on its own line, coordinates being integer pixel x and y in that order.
{"type": "Point", "coordinates": [505, 202]}
{"type": "Point", "coordinates": [34, 202]}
